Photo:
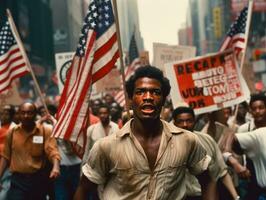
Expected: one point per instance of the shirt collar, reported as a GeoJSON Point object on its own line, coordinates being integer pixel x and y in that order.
{"type": "Point", "coordinates": [168, 128]}
{"type": "Point", "coordinates": [36, 128]}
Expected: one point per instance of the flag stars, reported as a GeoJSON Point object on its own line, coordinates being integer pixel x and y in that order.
{"type": "Point", "coordinates": [95, 14]}
{"type": "Point", "coordinates": [93, 7]}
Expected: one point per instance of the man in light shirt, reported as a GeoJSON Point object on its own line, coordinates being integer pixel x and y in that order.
{"type": "Point", "coordinates": [148, 157]}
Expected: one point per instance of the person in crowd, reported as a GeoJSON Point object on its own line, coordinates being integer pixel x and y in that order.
{"type": "Point", "coordinates": [148, 157]}
{"type": "Point", "coordinates": [66, 183]}
{"type": "Point", "coordinates": [244, 167]}
{"type": "Point", "coordinates": [16, 115]}
{"type": "Point", "coordinates": [27, 146]}
{"type": "Point", "coordinates": [184, 117]}
{"type": "Point", "coordinates": [257, 106]}
{"type": "Point", "coordinates": [99, 130]}
{"type": "Point", "coordinates": [108, 99]}
{"type": "Point", "coordinates": [253, 144]}
{"type": "Point", "coordinates": [217, 125]}
{"type": "Point", "coordinates": [228, 114]}
{"type": "Point", "coordinates": [167, 111]}
{"type": "Point", "coordinates": [6, 115]}
{"type": "Point", "coordinates": [241, 117]}
{"type": "Point", "coordinates": [95, 106]}
{"type": "Point", "coordinates": [116, 114]}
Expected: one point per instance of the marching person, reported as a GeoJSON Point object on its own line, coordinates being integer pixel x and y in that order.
{"type": "Point", "coordinates": [26, 148]}
{"type": "Point", "coordinates": [148, 157]}
{"type": "Point", "coordinates": [184, 117]}
{"type": "Point", "coordinates": [6, 120]}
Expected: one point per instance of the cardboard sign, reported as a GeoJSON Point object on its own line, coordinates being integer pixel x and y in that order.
{"type": "Point", "coordinates": [207, 83]}
{"type": "Point", "coordinates": [63, 63]}
{"type": "Point", "coordinates": [164, 53]}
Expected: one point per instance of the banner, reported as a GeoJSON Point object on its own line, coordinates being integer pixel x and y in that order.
{"type": "Point", "coordinates": [11, 96]}
{"type": "Point", "coordinates": [164, 53]}
{"type": "Point", "coordinates": [207, 83]}
{"type": "Point", "coordinates": [63, 63]}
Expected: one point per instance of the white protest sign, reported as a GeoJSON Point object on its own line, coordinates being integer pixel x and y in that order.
{"type": "Point", "coordinates": [207, 83]}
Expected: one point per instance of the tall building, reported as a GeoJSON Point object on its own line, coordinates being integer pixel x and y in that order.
{"type": "Point", "coordinates": [129, 23]}
{"type": "Point", "coordinates": [67, 22]}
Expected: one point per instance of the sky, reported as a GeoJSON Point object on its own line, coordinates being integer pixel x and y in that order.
{"type": "Point", "coordinates": [160, 20]}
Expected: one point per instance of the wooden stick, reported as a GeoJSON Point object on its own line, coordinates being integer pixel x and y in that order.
{"type": "Point", "coordinates": [250, 8]}
{"type": "Point", "coordinates": [21, 47]}
{"type": "Point", "coordinates": [121, 56]}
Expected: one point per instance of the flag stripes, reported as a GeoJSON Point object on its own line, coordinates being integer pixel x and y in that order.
{"type": "Point", "coordinates": [12, 63]}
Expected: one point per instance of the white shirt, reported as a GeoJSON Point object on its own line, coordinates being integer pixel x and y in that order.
{"type": "Point", "coordinates": [254, 145]}
{"type": "Point", "coordinates": [94, 133]}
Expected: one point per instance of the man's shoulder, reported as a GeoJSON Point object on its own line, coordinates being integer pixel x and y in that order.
{"type": "Point", "coordinates": [248, 126]}
{"type": "Point", "coordinates": [178, 133]}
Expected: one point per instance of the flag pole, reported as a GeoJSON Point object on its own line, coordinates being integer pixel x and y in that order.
{"type": "Point", "coordinates": [21, 47]}
{"type": "Point", "coordinates": [121, 56]}
{"type": "Point", "coordinates": [250, 8]}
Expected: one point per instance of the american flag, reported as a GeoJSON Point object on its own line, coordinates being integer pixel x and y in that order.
{"type": "Point", "coordinates": [235, 37]}
{"type": "Point", "coordinates": [12, 63]}
{"type": "Point", "coordinates": [133, 62]}
{"type": "Point", "coordinates": [96, 55]}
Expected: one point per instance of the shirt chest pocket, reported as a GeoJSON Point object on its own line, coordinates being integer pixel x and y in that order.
{"type": "Point", "coordinates": [172, 175]}
{"type": "Point", "coordinates": [127, 179]}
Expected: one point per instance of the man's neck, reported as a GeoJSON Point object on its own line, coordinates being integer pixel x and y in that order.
{"type": "Point", "coordinates": [105, 124]}
{"type": "Point", "coordinates": [147, 128]}
{"type": "Point", "coordinates": [28, 127]}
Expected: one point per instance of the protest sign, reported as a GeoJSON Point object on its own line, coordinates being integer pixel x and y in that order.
{"type": "Point", "coordinates": [165, 53]}
{"type": "Point", "coordinates": [11, 96]}
{"type": "Point", "coordinates": [207, 83]}
{"type": "Point", "coordinates": [63, 63]}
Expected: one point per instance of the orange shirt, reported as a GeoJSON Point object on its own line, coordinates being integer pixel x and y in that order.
{"type": "Point", "coordinates": [27, 151]}
{"type": "Point", "coordinates": [3, 134]}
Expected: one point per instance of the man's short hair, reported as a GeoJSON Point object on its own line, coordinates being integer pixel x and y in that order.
{"type": "Point", "coordinates": [183, 109]}
{"type": "Point", "coordinates": [257, 97]}
{"type": "Point", "coordinates": [104, 105]}
{"type": "Point", "coordinates": [150, 72]}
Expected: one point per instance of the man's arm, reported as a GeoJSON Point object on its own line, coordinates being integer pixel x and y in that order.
{"type": "Point", "coordinates": [3, 166]}
{"type": "Point", "coordinates": [236, 146]}
{"type": "Point", "coordinates": [228, 183]}
{"type": "Point", "coordinates": [84, 188]}
{"type": "Point", "coordinates": [208, 186]}
{"type": "Point", "coordinates": [55, 172]}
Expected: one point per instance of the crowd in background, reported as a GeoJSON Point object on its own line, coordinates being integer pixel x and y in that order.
{"type": "Point", "coordinates": [107, 116]}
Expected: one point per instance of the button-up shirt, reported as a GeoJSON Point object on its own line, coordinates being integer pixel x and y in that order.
{"type": "Point", "coordinates": [26, 152]}
{"type": "Point", "coordinates": [119, 163]}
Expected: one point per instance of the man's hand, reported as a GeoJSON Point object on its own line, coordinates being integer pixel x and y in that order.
{"type": "Point", "coordinates": [55, 172]}
{"type": "Point", "coordinates": [56, 169]}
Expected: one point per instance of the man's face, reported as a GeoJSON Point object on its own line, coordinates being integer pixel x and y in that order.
{"type": "Point", "coordinates": [27, 113]}
{"type": "Point", "coordinates": [5, 116]}
{"type": "Point", "coordinates": [185, 121]}
{"type": "Point", "coordinates": [147, 100]}
{"type": "Point", "coordinates": [104, 115]}
{"type": "Point", "coordinates": [258, 111]}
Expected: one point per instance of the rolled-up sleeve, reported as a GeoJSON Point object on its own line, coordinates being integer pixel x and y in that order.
{"type": "Point", "coordinates": [96, 168]}
{"type": "Point", "coordinates": [248, 142]}
{"type": "Point", "coordinates": [51, 149]}
{"type": "Point", "coordinates": [198, 160]}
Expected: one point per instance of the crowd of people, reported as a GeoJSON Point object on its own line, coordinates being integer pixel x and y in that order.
{"type": "Point", "coordinates": [152, 152]}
